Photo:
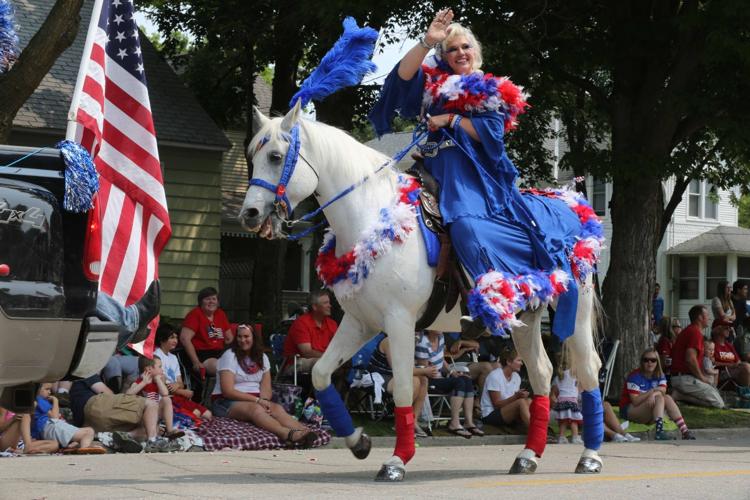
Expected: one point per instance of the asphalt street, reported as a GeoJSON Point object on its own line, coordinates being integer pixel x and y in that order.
{"type": "Point", "coordinates": [704, 469]}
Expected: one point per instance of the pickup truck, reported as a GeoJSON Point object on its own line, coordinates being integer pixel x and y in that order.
{"type": "Point", "coordinates": [49, 330]}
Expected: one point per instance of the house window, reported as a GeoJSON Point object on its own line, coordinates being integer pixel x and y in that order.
{"type": "Point", "coordinates": [743, 268]}
{"type": "Point", "coordinates": [689, 275]}
{"type": "Point", "coordinates": [716, 271]}
{"type": "Point", "coordinates": [702, 203]}
{"type": "Point", "coordinates": [599, 197]}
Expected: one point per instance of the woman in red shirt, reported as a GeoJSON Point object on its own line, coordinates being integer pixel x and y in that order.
{"type": "Point", "coordinates": [726, 358]}
{"type": "Point", "coordinates": [205, 333]}
{"type": "Point", "coordinates": [669, 328]}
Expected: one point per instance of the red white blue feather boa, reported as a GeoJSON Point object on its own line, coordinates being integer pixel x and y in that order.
{"type": "Point", "coordinates": [477, 92]}
{"type": "Point", "coordinates": [346, 273]}
{"type": "Point", "coordinates": [497, 296]}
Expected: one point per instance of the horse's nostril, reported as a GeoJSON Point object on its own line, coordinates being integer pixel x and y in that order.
{"type": "Point", "coordinates": [251, 213]}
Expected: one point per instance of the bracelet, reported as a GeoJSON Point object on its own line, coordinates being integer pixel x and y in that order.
{"type": "Point", "coordinates": [427, 46]}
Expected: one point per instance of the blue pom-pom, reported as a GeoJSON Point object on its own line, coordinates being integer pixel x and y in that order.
{"type": "Point", "coordinates": [8, 36]}
{"type": "Point", "coordinates": [81, 179]}
{"type": "Point", "coordinates": [344, 65]}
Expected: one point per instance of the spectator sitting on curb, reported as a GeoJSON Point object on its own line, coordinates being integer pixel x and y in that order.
{"type": "Point", "coordinates": [503, 400]}
{"type": "Point", "coordinates": [688, 381]}
{"type": "Point", "coordinates": [152, 385]}
{"type": "Point", "coordinates": [47, 424]}
{"type": "Point", "coordinates": [15, 427]}
{"type": "Point", "coordinates": [644, 397]}
{"type": "Point", "coordinates": [726, 358]}
{"type": "Point", "coordinates": [612, 428]}
{"type": "Point", "coordinates": [128, 417]}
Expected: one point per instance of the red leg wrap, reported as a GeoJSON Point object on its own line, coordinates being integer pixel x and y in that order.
{"type": "Point", "coordinates": [536, 440]}
{"type": "Point", "coordinates": [404, 417]}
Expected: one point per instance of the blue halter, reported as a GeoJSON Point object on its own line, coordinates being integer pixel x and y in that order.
{"type": "Point", "coordinates": [290, 163]}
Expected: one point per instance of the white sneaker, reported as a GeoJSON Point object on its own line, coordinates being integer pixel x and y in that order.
{"type": "Point", "coordinates": [562, 440]}
{"type": "Point", "coordinates": [577, 440]}
{"type": "Point", "coordinates": [619, 438]}
{"type": "Point", "coordinates": [631, 438]}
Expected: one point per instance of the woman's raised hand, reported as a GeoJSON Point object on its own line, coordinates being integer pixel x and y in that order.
{"type": "Point", "coordinates": [438, 30]}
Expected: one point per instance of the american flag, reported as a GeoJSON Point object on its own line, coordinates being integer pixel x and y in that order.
{"type": "Point", "coordinates": [111, 117]}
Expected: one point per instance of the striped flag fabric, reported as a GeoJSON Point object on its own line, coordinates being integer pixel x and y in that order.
{"type": "Point", "coordinates": [111, 117]}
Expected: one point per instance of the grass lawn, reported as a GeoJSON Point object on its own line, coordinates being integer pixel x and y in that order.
{"type": "Point", "coordinates": [696, 417]}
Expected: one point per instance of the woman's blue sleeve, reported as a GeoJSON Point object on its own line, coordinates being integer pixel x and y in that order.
{"type": "Point", "coordinates": [397, 96]}
{"type": "Point", "coordinates": [490, 128]}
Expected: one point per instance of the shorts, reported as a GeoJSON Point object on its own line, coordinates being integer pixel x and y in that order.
{"type": "Point", "coordinates": [495, 418]}
{"type": "Point", "coordinates": [221, 406]}
{"type": "Point", "coordinates": [59, 430]}
{"type": "Point", "coordinates": [114, 412]}
{"type": "Point", "coordinates": [204, 355]}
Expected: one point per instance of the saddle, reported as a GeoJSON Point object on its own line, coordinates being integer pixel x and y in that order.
{"type": "Point", "coordinates": [450, 280]}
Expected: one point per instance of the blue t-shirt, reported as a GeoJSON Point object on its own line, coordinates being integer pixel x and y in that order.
{"type": "Point", "coordinates": [638, 383]}
{"type": "Point", "coordinates": [43, 406]}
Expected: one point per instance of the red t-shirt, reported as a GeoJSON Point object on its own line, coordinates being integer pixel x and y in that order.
{"type": "Point", "coordinates": [150, 391]}
{"type": "Point", "coordinates": [209, 335]}
{"type": "Point", "coordinates": [690, 337]}
{"type": "Point", "coordinates": [304, 330]}
{"type": "Point", "coordinates": [664, 348]}
{"type": "Point", "coordinates": [725, 353]}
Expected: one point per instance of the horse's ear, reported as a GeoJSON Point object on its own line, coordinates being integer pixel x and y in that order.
{"type": "Point", "coordinates": [259, 120]}
{"type": "Point", "coordinates": [292, 116]}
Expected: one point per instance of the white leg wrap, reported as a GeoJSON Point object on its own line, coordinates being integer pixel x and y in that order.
{"type": "Point", "coordinates": [528, 454]}
{"type": "Point", "coordinates": [352, 439]}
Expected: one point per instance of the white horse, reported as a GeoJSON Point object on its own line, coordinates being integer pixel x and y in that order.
{"type": "Point", "coordinates": [395, 292]}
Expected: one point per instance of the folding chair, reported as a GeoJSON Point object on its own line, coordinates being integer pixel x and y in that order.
{"type": "Point", "coordinates": [360, 396]}
{"type": "Point", "coordinates": [434, 405]}
{"type": "Point", "coordinates": [607, 369]}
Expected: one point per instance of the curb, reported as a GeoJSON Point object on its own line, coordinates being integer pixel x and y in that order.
{"type": "Point", "coordinates": [512, 439]}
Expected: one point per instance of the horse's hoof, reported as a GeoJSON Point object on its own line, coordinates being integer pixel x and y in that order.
{"type": "Point", "coordinates": [390, 473]}
{"type": "Point", "coordinates": [588, 465]}
{"type": "Point", "coordinates": [523, 466]}
{"type": "Point", "coordinates": [362, 448]}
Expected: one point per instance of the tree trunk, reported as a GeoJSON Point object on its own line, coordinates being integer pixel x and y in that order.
{"type": "Point", "coordinates": [56, 34]}
{"type": "Point", "coordinates": [626, 289]}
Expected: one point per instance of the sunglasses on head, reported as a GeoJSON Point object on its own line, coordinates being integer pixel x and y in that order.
{"type": "Point", "coordinates": [464, 47]}
{"type": "Point", "coordinates": [649, 360]}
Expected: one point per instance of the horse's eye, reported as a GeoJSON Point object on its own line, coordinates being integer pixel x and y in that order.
{"type": "Point", "coordinates": [275, 157]}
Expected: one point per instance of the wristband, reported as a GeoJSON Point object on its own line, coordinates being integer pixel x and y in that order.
{"type": "Point", "coordinates": [427, 46]}
{"type": "Point", "coordinates": [456, 121]}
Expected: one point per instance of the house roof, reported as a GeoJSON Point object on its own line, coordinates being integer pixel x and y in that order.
{"type": "Point", "coordinates": [390, 144]}
{"type": "Point", "coordinates": [719, 240]}
{"type": "Point", "coordinates": [177, 115]}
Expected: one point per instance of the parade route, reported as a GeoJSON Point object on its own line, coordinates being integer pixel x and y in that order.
{"type": "Point", "coordinates": [698, 469]}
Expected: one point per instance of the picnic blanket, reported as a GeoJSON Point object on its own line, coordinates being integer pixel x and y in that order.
{"type": "Point", "coordinates": [219, 433]}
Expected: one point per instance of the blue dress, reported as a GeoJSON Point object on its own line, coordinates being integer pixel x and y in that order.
{"type": "Point", "coordinates": [499, 233]}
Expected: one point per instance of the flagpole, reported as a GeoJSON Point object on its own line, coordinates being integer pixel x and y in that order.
{"type": "Point", "coordinates": [70, 133]}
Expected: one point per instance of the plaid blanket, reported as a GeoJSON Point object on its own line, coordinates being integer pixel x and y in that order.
{"type": "Point", "coordinates": [219, 433]}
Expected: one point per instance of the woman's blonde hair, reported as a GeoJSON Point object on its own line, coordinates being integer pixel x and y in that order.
{"type": "Point", "coordinates": [658, 372]}
{"type": "Point", "coordinates": [456, 30]}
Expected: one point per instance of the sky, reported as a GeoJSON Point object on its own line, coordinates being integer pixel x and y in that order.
{"type": "Point", "coordinates": [384, 61]}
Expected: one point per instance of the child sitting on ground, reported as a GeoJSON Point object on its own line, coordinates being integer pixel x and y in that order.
{"type": "Point", "coordinates": [47, 424]}
{"type": "Point", "coordinates": [15, 430]}
{"type": "Point", "coordinates": [166, 339]}
{"type": "Point", "coordinates": [152, 385]}
{"type": "Point", "coordinates": [565, 392]}
{"type": "Point", "coordinates": [708, 362]}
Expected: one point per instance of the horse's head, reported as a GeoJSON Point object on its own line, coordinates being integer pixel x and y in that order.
{"type": "Point", "coordinates": [279, 181]}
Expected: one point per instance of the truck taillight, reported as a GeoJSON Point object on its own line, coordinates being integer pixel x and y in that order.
{"type": "Point", "coordinates": [92, 249]}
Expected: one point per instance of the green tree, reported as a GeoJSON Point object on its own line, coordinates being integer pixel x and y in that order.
{"type": "Point", "coordinates": [54, 36]}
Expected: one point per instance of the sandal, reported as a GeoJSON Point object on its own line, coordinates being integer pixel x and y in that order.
{"type": "Point", "coordinates": [175, 434]}
{"type": "Point", "coordinates": [91, 450]}
{"type": "Point", "coordinates": [476, 431]}
{"type": "Point", "coordinates": [305, 441]}
{"type": "Point", "coordinates": [464, 433]}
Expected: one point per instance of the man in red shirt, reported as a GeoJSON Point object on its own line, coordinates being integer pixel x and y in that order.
{"type": "Point", "coordinates": [688, 381]}
{"type": "Point", "coordinates": [310, 334]}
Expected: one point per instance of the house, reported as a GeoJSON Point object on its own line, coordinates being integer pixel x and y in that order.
{"type": "Point", "coordinates": [190, 148]}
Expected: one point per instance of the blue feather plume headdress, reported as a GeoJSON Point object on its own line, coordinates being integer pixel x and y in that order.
{"type": "Point", "coordinates": [8, 36]}
{"type": "Point", "coordinates": [343, 66]}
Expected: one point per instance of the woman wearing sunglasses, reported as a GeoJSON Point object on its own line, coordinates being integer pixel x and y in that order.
{"type": "Point", "coordinates": [644, 397]}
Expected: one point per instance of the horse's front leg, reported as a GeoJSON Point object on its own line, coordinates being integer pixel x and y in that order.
{"type": "Point", "coordinates": [350, 337]}
{"type": "Point", "coordinates": [399, 325]}
{"type": "Point", "coordinates": [585, 365]}
{"type": "Point", "coordinates": [528, 342]}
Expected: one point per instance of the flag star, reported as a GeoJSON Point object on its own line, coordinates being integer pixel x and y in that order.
{"type": "Point", "coordinates": [122, 54]}
{"type": "Point", "coordinates": [120, 36]}
{"type": "Point", "coordinates": [135, 33]}
{"type": "Point", "coordinates": [116, 3]}
{"type": "Point", "coordinates": [137, 51]}
{"type": "Point", "coordinates": [118, 19]}
{"type": "Point", "coordinates": [139, 68]}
